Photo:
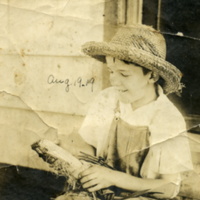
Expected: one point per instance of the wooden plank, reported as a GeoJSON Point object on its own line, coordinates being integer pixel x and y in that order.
{"type": "Point", "coordinates": [134, 11]}
{"type": "Point", "coordinates": [121, 12]}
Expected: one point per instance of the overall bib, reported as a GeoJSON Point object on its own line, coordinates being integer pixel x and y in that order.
{"type": "Point", "coordinates": [126, 147]}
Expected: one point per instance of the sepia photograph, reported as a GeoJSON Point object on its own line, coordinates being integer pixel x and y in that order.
{"type": "Point", "coordinates": [99, 99]}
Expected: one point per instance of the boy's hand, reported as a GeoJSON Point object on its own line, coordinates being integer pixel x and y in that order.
{"type": "Point", "coordinates": [97, 177]}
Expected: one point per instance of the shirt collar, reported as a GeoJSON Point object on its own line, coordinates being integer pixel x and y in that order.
{"type": "Point", "coordinates": [143, 114]}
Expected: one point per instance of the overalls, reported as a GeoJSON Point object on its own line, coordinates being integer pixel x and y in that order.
{"type": "Point", "coordinates": [126, 147]}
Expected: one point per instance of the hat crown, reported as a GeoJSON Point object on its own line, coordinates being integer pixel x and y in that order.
{"type": "Point", "coordinates": [141, 37]}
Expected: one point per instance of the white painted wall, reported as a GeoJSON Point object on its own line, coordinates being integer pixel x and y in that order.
{"type": "Point", "coordinates": [43, 38]}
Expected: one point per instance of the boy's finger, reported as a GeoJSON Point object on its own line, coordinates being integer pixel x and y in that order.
{"type": "Point", "coordinates": [86, 172]}
{"type": "Point", "coordinates": [90, 183]}
{"type": "Point", "coordinates": [86, 179]}
{"type": "Point", "coordinates": [95, 188]}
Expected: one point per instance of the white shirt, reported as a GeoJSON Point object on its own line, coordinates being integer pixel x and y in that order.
{"type": "Point", "coordinates": [169, 147]}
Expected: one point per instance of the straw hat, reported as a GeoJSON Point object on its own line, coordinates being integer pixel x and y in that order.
{"type": "Point", "coordinates": [142, 45]}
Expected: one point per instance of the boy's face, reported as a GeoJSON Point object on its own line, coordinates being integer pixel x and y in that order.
{"type": "Point", "coordinates": [128, 79]}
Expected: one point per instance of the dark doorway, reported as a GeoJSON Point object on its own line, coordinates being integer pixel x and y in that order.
{"type": "Point", "coordinates": [182, 17]}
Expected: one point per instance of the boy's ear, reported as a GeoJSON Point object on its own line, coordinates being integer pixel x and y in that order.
{"type": "Point", "coordinates": [153, 77]}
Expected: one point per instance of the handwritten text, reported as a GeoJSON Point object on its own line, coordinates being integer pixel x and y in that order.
{"type": "Point", "coordinates": [79, 82]}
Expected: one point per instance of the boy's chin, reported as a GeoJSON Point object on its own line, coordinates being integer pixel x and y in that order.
{"type": "Point", "coordinates": [124, 99]}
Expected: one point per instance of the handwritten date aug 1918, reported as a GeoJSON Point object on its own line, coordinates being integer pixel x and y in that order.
{"type": "Point", "coordinates": [79, 82]}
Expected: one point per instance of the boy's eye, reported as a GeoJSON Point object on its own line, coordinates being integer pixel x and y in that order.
{"type": "Point", "coordinates": [124, 75]}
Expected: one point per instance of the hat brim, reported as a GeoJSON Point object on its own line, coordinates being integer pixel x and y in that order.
{"type": "Point", "coordinates": [166, 70]}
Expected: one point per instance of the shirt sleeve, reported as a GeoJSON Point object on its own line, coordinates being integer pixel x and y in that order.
{"type": "Point", "coordinates": [97, 122]}
{"type": "Point", "coordinates": [169, 151]}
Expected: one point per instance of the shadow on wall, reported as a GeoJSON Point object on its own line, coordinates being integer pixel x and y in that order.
{"type": "Point", "coordinates": [110, 27]}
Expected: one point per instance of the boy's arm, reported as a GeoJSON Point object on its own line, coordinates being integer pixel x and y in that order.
{"type": "Point", "coordinates": [75, 144]}
{"type": "Point", "coordinates": [97, 177]}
